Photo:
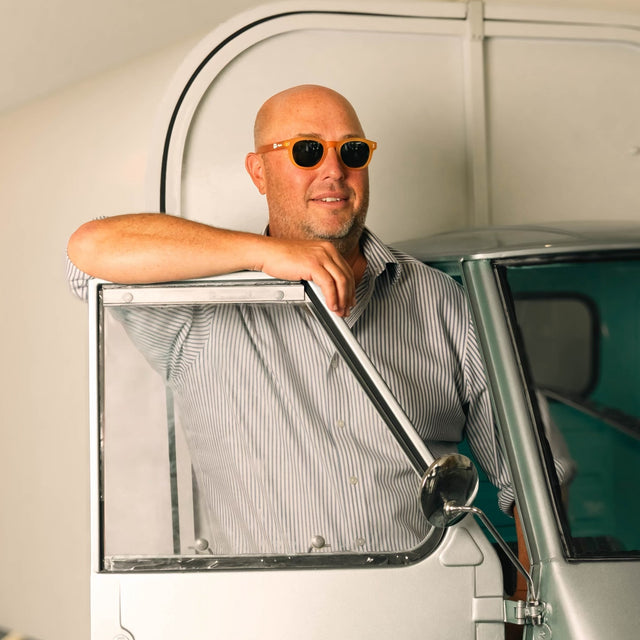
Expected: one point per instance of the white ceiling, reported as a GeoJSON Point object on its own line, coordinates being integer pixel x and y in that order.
{"type": "Point", "coordinates": [48, 44]}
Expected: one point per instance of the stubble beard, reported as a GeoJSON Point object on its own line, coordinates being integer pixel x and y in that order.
{"type": "Point", "coordinates": [346, 239]}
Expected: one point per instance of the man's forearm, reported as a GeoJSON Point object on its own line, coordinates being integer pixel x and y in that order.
{"type": "Point", "coordinates": [141, 248]}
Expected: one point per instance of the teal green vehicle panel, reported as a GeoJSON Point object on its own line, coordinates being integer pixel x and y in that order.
{"type": "Point", "coordinates": [613, 289]}
{"type": "Point", "coordinates": [604, 487]}
{"type": "Point", "coordinates": [603, 502]}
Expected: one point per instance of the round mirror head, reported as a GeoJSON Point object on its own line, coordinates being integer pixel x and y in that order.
{"type": "Point", "coordinates": [453, 480]}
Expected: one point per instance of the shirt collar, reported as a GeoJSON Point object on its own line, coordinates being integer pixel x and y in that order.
{"type": "Point", "coordinates": [379, 256]}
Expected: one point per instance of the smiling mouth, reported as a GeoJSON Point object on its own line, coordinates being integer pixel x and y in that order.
{"type": "Point", "coordinates": [331, 199]}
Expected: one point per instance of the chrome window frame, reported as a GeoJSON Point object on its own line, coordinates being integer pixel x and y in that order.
{"type": "Point", "coordinates": [245, 288]}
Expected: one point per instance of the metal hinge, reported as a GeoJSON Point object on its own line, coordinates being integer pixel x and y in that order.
{"type": "Point", "coordinates": [520, 612]}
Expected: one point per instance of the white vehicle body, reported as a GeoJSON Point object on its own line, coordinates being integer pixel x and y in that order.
{"type": "Point", "coordinates": [457, 153]}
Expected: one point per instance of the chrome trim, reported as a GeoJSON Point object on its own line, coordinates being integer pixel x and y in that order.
{"type": "Point", "coordinates": [452, 508]}
{"type": "Point", "coordinates": [203, 292]}
{"type": "Point", "coordinates": [619, 420]}
{"type": "Point", "coordinates": [206, 562]}
{"type": "Point", "coordinates": [96, 357]}
{"type": "Point", "coordinates": [372, 382]}
{"type": "Point", "coordinates": [527, 613]}
{"type": "Point", "coordinates": [524, 253]}
{"type": "Point", "coordinates": [555, 250]}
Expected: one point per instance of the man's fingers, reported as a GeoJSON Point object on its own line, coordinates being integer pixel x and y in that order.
{"type": "Point", "coordinates": [340, 287]}
{"type": "Point", "coordinates": [318, 262]}
{"type": "Point", "coordinates": [335, 278]}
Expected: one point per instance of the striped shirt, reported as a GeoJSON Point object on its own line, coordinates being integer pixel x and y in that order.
{"type": "Point", "coordinates": [288, 451]}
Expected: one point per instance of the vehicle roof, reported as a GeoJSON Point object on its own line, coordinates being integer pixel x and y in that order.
{"type": "Point", "coordinates": [523, 240]}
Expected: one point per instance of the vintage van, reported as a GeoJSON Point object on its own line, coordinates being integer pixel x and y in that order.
{"type": "Point", "coordinates": [556, 313]}
{"type": "Point", "coordinates": [485, 114]}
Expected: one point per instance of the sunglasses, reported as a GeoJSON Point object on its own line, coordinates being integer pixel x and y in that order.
{"type": "Point", "coordinates": [308, 153]}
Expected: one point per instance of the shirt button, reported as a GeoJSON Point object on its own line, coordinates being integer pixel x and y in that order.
{"type": "Point", "coordinates": [335, 361]}
{"type": "Point", "coordinates": [353, 480]}
{"type": "Point", "coordinates": [360, 542]}
{"type": "Point", "coordinates": [317, 542]}
{"type": "Point", "coordinates": [340, 424]}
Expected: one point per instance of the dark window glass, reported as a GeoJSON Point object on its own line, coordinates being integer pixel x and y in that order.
{"type": "Point", "coordinates": [579, 331]}
{"type": "Point", "coordinates": [562, 342]}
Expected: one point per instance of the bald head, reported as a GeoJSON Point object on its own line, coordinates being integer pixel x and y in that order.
{"type": "Point", "coordinates": [326, 201]}
{"type": "Point", "coordinates": [293, 105]}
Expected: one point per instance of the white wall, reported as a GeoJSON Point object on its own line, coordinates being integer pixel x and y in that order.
{"type": "Point", "coordinates": [74, 156]}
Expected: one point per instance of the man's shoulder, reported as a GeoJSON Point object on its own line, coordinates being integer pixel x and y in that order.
{"type": "Point", "coordinates": [406, 271]}
{"type": "Point", "coordinates": [414, 270]}
{"type": "Point", "coordinates": [378, 250]}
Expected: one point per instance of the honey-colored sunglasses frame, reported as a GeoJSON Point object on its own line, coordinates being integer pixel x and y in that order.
{"type": "Point", "coordinates": [326, 145]}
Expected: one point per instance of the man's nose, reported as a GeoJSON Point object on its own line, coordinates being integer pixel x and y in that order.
{"type": "Point", "coordinates": [332, 165]}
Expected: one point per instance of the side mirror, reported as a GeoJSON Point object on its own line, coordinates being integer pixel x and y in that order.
{"type": "Point", "coordinates": [451, 481]}
{"type": "Point", "coordinates": [449, 487]}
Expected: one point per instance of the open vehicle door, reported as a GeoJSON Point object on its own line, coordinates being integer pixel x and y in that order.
{"type": "Point", "coordinates": [157, 568]}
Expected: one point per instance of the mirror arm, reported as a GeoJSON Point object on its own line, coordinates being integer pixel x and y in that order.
{"type": "Point", "coordinates": [450, 508]}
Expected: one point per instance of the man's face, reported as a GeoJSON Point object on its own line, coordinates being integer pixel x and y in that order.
{"type": "Point", "coordinates": [328, 201]}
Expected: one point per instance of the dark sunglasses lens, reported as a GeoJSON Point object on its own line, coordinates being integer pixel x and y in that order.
{"type": "Point", "coordinates": [307, 153]}
{"type": "Point", "coordinates": [355, 153]}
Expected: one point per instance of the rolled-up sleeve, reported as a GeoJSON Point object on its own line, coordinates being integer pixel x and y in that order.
{"type": "Point", "coordinates": [77, 280]}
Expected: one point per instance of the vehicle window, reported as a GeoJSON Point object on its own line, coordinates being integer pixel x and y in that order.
{"type": "Point", "coordinates": [579, 330]}
{"type": "Point", "coordinates": [210, 446]}
{"type": "Point", "coordinates": [561, 330]}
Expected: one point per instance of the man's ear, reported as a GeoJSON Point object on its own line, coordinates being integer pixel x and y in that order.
{"type": "Point", "coordinates": [255, 167]}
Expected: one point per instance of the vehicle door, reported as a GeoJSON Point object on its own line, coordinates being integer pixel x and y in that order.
{"type": "Point", "coordinates": [160, 569]}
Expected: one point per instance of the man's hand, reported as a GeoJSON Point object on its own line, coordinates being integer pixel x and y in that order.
{"type": "Point", "coordinates": [313, 260]}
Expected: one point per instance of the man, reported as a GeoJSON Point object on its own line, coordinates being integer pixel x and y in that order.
{"type": "Point", "coordinates": [315, 220]}
{"type": "Point", "coordinates": [283, 406]}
